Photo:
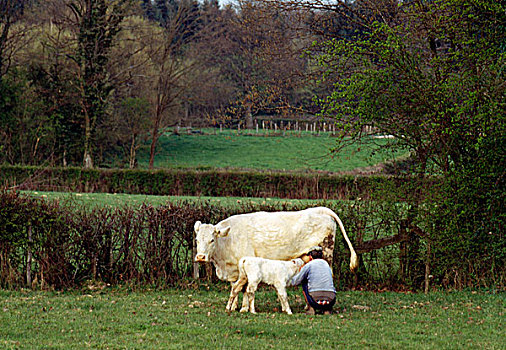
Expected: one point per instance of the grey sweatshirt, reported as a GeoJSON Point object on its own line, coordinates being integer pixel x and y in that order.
{"type": "Point", "coordinates": [318, 274]}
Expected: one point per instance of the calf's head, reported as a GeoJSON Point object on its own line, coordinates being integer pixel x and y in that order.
{"type": "Point", "coordinates": [206, 236]}
{"type": "Point", "coordinates": [298, 263]}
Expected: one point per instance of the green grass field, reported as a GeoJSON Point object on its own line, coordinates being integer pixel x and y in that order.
{"type": "Point", "coordinates": [190, 319]}
{"type": "Point", "coordinates": [121, 199]}
{"type": "Point", "coordinates": [231, 149]}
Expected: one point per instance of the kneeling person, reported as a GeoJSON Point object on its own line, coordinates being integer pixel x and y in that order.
{"type": "Point", "coordinates": [317, 283]}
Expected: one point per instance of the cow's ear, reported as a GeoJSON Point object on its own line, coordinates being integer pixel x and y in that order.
{"type": "Point", "coordinates": [222, 232]}
{"type": "Point", "coordinates": [197, 226]}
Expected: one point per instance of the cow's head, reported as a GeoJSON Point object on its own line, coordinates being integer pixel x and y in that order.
{"type": "Point", "coordinates": [206, 236]}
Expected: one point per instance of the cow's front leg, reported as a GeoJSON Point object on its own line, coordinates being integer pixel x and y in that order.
{"type": "Point", "coordinates": [234, 294]}
{"type": "Point", "coordinates": [234, 304]}
{"type": "Point", "coordinates": [232, 301]}
{"type": "Point", "coordinates": [250, 294]}
{"type": "Point", "coordinates": [245, 301]}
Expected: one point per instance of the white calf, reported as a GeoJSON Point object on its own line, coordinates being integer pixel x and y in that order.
{"type": "Point", "coordinates": [255, 270]}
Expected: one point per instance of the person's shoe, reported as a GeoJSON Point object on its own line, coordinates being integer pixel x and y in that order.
{"type": "Point", "coordinates": [328, 312]}
{"type": "Point", "coordinates": [310, 311]}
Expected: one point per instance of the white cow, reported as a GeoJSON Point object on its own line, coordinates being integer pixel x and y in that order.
{"type": "Point", "coordinates": [255, 270]}
{"type": "Point", "coordinates": [276, 235]}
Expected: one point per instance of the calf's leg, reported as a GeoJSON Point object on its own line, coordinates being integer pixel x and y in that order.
{"type": "Point", "coordinates": [283, 299]}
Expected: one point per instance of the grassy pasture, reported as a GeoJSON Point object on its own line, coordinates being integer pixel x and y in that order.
{"type": "Point", "coordinates": [121, 199]}
{"type": "Point", "coordinates": [178, 319]}
{"type": "Point", "coordinates": [248, 150]}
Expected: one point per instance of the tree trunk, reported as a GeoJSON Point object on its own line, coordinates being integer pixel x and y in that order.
{"type": "Point", "coordinates": [154, 140]}
{"type": "Point", "coordinates": [403, 253]}
{"type": "Point", "coordinates": [427, 270]}
{"type": "Point", "coordinates": [155, 133]}
{"type": "Point", "coordinates": [132, 153]}
{"type": "Point", "coordinates": [87, 160]}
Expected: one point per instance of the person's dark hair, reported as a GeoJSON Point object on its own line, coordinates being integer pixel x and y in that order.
{"type": "Point", "coordinates": [316, 254]}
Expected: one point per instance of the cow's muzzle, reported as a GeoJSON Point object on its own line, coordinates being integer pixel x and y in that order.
{"type": "Point", "coordinates": [201, 258]}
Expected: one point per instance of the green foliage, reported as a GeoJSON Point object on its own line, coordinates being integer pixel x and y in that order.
{"type": "Point", "coordinates": [56, 107]}
{"type": "Point", "coordinates": [433, 78]}
{"type": "Point", "coordinates": [99, 24]}
{"type": "Point", "coordinates": [8, 103]}
{"type": "Point", "coordinates": [433, 75]}
{"type": "Point", "coordinates": [470, 222]}
{"type": "Point", "coordinates": [8, 100]}
{"type": "Point", "coordinates": [209, 182]}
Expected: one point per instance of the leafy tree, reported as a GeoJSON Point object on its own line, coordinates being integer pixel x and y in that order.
{"type": "Point", "coordinates": [57, 105]}
{"type": "Point", "coordinates": [11, 12]}
{"type": "Point", "coordinates": [16, 98]}
{"type": "Point", "coordinates": [99, 22]}
{"type": "Point", "coordinates": [256, 54]}
{"type": "Point", "coordinates": [432, 74]}
{"type": "Point", "coordinates": [149, 9]}
{"type": "Point", "coordinates": [129, 126]}
{"type": "Point", "coordinates": [9, 100]}
{"type": "Point", "coordinates": [170, 73]}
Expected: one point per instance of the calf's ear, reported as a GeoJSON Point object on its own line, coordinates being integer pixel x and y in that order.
{"type": "Point", "coordinates": [222, 232]}
{"type": "Point", "coordinates": [197, 226]}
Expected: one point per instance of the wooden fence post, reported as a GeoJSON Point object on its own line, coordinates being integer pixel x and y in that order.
{"type": "Point", "coordinates": [427, 270]}
{"type": "Point", "coordinates": [196, 265]}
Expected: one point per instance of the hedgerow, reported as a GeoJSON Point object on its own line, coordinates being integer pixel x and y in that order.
{"type": "Point", "coordinates": [47, 244]}
{"type": "Point", "coordinates": [207, 182]}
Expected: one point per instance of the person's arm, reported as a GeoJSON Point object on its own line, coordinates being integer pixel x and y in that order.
{"type": "Point", "coordinates": [300, 276]}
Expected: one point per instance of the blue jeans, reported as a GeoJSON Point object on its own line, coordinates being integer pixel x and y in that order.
{"type": "Point", "coordinates": [311, 302]}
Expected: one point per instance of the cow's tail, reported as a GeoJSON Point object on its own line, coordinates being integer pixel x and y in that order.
{"type": "Point", "coordinates": [353, 257]}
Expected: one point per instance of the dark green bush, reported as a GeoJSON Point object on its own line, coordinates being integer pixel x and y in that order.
{"type": "Point", "coordinates": [469, 240]}
{"type": "Point", "coordinates": [206, 182]}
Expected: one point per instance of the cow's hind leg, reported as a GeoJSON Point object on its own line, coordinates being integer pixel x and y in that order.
{"type": "Point", "coordinates": [328, 246]}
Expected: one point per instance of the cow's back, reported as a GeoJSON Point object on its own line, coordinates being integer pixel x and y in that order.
{"type": "Point", "coordinates": [278, 235]}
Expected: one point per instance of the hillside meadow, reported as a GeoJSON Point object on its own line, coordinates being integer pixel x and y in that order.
{"type": "Point", "coordinates": [100, 317]}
